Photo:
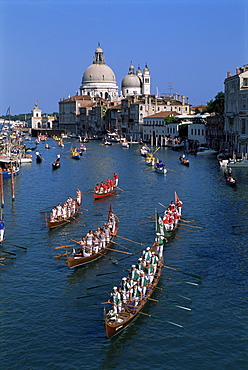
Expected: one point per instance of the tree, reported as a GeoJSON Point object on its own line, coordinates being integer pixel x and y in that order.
{"type": "Point", "coordinates": [216, 105]}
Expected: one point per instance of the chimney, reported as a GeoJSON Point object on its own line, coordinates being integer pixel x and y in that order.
{"type": "Point", "coordinates": [229, 74]}
{"type": "Point", "coordinates": [237, 71]}
{"type": "Point", "coordinates": [183, 97]}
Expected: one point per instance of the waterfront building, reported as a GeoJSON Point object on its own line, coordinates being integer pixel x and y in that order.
{"type": "Point", "coordinates": [137, 107]}
{"type": "Point", "coordinates": [39, 121]}
{"type": "Point", "coordinates": [236, 111]}
{"type": "Point", "coordinates": [87, 114]}
{"type": "Point", "coordinates": [156, 130]}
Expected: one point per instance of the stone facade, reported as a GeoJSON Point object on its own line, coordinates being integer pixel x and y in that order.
{"type": "Point", "coordinates": [236, 111]}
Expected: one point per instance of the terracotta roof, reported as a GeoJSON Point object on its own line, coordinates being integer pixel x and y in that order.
{"type": "Point", "coordinates": [163, 114]}
{"type": "Point", "coordinates": [77, 97]}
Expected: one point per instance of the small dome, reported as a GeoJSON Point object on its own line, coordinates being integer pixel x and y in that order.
{"type": "Point", "coordinates": [131, 81]}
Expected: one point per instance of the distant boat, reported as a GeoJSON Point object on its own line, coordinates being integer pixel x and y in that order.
{"type": "Point", "coordinates": [56, 163]}
{"type": "Point", "coordinates": [9, 166]}
{"type": "Point", "coordinates": [184, 161]}
{"type": "Point", "coordinates": [205, 151]}
{"type": "Point", "coordinates": [238, 163]}
{"type": "Point", "coordinates": [38, 157]}
{"type": "Point", "coordinates": [160, 168]}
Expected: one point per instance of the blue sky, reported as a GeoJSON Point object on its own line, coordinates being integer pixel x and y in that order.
{"type": "Point", "coordinates": [47, 45]}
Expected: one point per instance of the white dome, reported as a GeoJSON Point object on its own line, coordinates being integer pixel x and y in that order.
{"type": "Point", "coordinates": [131, 81]}
{"type": "Point", "coordinates": [98, 73]}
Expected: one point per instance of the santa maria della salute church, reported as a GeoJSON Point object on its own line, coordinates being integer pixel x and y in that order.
{"type": "Point", "coordinates": [98, 107]}
{"type": "Point", "coordinates": [99, 80]}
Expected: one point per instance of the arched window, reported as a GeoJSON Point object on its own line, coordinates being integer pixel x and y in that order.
{"type": "Point", "coordinates": [106, 95]}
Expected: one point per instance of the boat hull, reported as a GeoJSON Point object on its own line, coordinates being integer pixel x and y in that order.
{"type": "Point", "coordinates": [81, 261]}
{"type": "Point", "coordinates": [104, 195]}
{"type": "Point", "coordinates": [115, 327]}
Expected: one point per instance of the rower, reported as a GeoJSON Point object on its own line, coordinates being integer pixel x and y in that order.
{"type": "Point", "coordinates": [136, 293]}
{"type": "Point", "coordinates": [115, 298]}
{"type": "Point", "coordinates": [154, 262]}
{"type": "Point", "coordinates": [149, 273]}
{"type": "Point", "coordinates": [147, 254]}
{"type": "Point", "coordinates": [125, 287]}
{"type": "Point", "coordinates": [143, 282]}
{"type": "Point", "coordinates": [134, 275]}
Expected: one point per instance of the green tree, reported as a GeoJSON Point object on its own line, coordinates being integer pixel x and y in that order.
{"type": "Point", "coordinates": [216, 105]}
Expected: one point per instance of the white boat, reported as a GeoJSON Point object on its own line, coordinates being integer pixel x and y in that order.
{"type": "Point", "coordinates": [202, 150]}
{"type": "Point", "coordinates": [238, 163]}
{"type": "Point", "coordinates": [27, 158]}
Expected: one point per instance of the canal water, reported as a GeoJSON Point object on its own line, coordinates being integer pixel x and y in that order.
{"type": "Point", "coordinates": [44, 326]}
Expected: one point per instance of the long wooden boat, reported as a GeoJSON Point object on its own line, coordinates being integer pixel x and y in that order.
{"type": "Point", "coordinates": [76, 261]}
{"type": "Point", "coordinates": [162, 232]}
{"type": "Point", "coordinates": [99, 195]}
{"type": "Point", "coordinates": [116, 324]}
{"type": "Point", "coordinates": [63, 221]}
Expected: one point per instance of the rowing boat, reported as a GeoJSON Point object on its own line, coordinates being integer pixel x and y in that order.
{"type": "Point", "coordinates": [105, 189]}
{"type": "Point", "coordinates": [160, 168]}
{"type": "Point", "coordinates": [166, 226]}
{"type": "Point", "coordinates": [62, 221]}
{"type": "Point", "coordinates": [184, 161]}
{"type": "Point", "coordinates": [114, 324]}
{"type": "Point", "coordinates": [76, 261]}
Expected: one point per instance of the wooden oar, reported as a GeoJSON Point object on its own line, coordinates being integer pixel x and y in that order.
{"type": "Point", "coordinates": [181, 219]}
{"type": "Point", "coordinates": [195, 231]}
{"type": "Point", "coordinates": [180, 281]}
{"type": "Point", "coordinates": [198, 227]}
{"type": "Point", "coordinates": [156, 150]}
{"type": "Point", "coordinates": [148, 168]}
{"type": "Point", "coordinates": [88, 210]}
{"type": "Point", "coordinates": [186, 273]}
{"type": "Point", "coordinates": [10, 258]}
{"type": "Point", "coordinates": [129, 240]}
{"type": "Point", "coordinates": [65, 246]}
{"type": "Point", "coordinates": [168, 291]}
{"type": "Point", "coordinates": [89, 191]}
{"type": "Point", "coordinates": [97, 286]}
{"type": "Point", "coordinates": [119, 188]}
{"type": "Point", "coordinates": [171, 304]}
{"type": "Point", "coordinates": [14, 245]}
{"type": "Point", "coordinates": [121, 245]}
{"type": "Point", "coordinates": [14, 254]}
{"type": "Point", "coordinates": [92, 295]}
{"type": "Point", "coordinates": [117, 250]}
{"type": "Point", "coordinates": [60, 255]}
{"type": "Point", "coordinates": [158, 318]}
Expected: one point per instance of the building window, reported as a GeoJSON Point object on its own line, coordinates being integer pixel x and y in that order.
{"type": "Point", "coordinates": [141, 108]}
{"type": "Point", "coordinates": [243, 126]}
{"type": "Point", "coordinates": [245, 82]}
{"type": "Point", "coordinates": [146, 80]}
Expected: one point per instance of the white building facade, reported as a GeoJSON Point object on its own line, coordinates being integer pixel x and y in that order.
{"type": "Point", "coordinates": [236, 111]}
{"type": "Point", "coordinates": [41, 122]}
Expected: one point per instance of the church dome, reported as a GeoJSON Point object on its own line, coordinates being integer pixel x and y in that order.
{"type": "Point", "coordinates": [98, 73]}
{"type": "Point", "coordinates": [131, 81]}
{"type": "Point", "coordinates": [99, 79]}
